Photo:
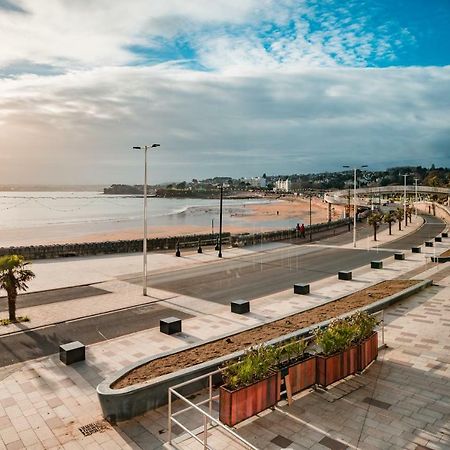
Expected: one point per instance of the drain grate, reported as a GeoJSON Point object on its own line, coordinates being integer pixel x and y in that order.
{"type": "Point", "coordinates": [94, 427]}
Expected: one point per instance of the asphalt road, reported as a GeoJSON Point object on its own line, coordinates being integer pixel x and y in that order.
{"type": "Point", "coordinates": [249, 277]}
{"type": "Point", "coordinates": [45, 341]}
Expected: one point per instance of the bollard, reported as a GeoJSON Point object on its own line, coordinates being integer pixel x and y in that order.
{"type": "Point", "coordinates": [170, 325]}
{"type": "Point", "coordinates": [178, 253]}
{"type": "Point", "coordinates": [429, 244]}
{"type": "Point", "coordinates": [199, 250]}
{"type": "Point", "coordinates": [416, 249]}
{"type": "Point", "coordinates": [344, 275]}
{"type": "Point", "coordinates": [240, 306]}
{"type": "Point", "coordinates": [302, 289]}
{"type": "Point", "coordinates": [399, 256]}
{"type": "Point", "coordinates": [72, 352]}
{"type": "Point", "coordinates": [444, 234]}
{"type": "Point", "coordinates": [437, 239]}
{"type": "Point", "coordinates": [376, 264]}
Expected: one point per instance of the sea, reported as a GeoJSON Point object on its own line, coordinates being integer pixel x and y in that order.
{"type": "Point", "coordinates": [32, 218]}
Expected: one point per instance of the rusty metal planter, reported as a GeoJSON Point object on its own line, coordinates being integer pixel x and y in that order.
{"type": "Point", "coordinates": [236, 406]}
{"type": "Point", "coordinates": [368, 351]}
{"type": "Point", "coordinates": [302, 375]}
{"type": "Point", "coordinates": [335, 367]}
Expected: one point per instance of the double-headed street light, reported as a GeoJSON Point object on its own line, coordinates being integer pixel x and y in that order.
{"type": "Point", "coordinates": [354, 200]}
{"type": "Point", "coordinates": [144, 274]}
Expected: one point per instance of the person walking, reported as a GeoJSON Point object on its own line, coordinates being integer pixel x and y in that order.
{"type": "Point", "coordinates": [302, 230]}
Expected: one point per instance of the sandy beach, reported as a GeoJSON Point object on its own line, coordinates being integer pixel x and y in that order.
{"type": "Point", "coordinates": [252, 217]}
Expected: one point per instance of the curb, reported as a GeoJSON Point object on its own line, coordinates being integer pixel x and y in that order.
{"type": "Point", "coordinates": [123, 404]}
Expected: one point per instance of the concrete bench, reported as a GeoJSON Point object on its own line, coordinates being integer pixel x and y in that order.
{"type": "Point", "coordinates": [376, 264]}
{"type": "Point", "coordinates": [429, 244]}
{"type": "Point", "coordinates": [170, 325]}
{"type": "Point", "coordinates": [444, 234]}
{"type": "Point", "coordinates": [240, 306]}
{"type": "Point", "coordinates": [72, 352]}
{"type": "Point", "coordinates": [416, 249]}
{"type": "Point", "coordinates": [344, 275]}
{"type": "Point", "coordinates": [302, 289]}
{"type": "Point", "coordinates": [399, 256]}
{"type": "Point", "coordinates": [437, 239]}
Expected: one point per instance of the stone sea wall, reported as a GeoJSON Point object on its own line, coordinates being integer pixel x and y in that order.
{"type": "Point", "coordinates": [169, 243]}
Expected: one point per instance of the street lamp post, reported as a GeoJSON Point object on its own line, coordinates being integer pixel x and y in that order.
{"type": "Point", "coordinates": [310, 222]}
{"type": "Point", "coordinates": [144, 246]}
{"type": "Point", "coordinates": [404, 199]}
{"type": "Point", "coordinates": [354, 201]}
{"type": "Point", "coordinates": [220, 222]}
{"type": "Point", "coordinates": [415, 196]}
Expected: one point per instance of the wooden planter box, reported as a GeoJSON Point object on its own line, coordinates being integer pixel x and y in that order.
{"type": "Point", "coordinates": [332, 368]}
{"type": "Point", "coordinates": [302, 375]}
{"type": "Point", "coordinates": [236, 406]}
{"type": "Point", "coordinates": [368, 351]}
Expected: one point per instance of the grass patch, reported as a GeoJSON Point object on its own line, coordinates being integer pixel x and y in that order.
{"type": "Point", "coordinates": [6, 322]}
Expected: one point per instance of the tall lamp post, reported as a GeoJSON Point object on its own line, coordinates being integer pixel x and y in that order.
{"type": "Point", "coordinates": [220, 222]}
{"type": "Point", "coordinates": [354, 200]}
{"type": "Point", "coordinates": [404, 199]}
{"type": "Point", "coordinates": [415, 196]}
{"type": "Point", "coordinates": [144, 274]}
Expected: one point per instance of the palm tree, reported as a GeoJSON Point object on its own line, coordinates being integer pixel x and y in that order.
{"type": "Point", "coordinates": [389, 218]}
{"type": "Point", "coordinates": [374, 219]}
{"type": "Point", "coordinates": [14, 276]}
{"type": "Point", "coordinates": [399, 215]}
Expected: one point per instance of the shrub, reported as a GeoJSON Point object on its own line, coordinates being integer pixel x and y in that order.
{"type": "Point", "coordinates": [337, 337]}
{"type": "Point", "coordinates": [255, 365]}
{"type": "Point", "coordinates": [364, 325]}
{"type": "Point", "coordinates": [290, 351]}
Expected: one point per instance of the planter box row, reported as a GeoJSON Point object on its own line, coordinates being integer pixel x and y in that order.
{"type": "Point", "coordinates": [236, 406]}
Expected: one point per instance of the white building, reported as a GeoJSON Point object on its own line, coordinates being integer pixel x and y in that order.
{"type": "Point", "coordinates": [283, 185]}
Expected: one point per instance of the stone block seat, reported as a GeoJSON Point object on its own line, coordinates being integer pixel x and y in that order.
{"type": "Point", "coordinates": [72, 352]}
{"type": "Point", "coordinates": [170, 325]}
{"type": "Point", "coordinates": [240, 306]}
{"type": "Point", "coordinates": [344, 275]}
{"type": "Point", "coordinates": [302, 289]}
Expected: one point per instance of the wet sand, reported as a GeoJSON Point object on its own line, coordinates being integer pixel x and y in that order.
{"type": "Point", "coordinates": [256, 215]}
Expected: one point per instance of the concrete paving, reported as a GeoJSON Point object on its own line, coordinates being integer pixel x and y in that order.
{"type": "Point", "coordinates": [43, 403]}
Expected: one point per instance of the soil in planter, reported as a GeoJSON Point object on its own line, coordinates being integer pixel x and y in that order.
{"type": "Point", "coordinates": [263, 333]}
{"type": "Point", "coordinates": [446, 254]}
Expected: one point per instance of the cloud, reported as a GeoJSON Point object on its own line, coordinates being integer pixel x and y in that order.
{"type": "Point", "coordinates": [82, 34]}
{"type": "Point", "coordinates": [79, 127]}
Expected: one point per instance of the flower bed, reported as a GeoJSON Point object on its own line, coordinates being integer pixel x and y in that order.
{"type": "Point", "coordinates": [260, 334]}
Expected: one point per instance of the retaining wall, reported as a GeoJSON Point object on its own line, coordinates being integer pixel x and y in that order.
{"type": "Point", "coordinates": [169, 243]}
{"type": "Point", "coordinates": [126, 403]}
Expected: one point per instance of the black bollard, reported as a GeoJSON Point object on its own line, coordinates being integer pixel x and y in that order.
{"type": "Point", "coordinates": [217, 244]}
{"type": "Point", "coordinates": [199, 250]}
{"type": "Point", "coordinates": [178, 253]}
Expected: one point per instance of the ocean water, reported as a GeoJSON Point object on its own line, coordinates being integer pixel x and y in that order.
{"type": "Point", "coordinates": [27, 217]}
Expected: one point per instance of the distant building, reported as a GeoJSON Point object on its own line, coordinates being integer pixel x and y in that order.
{"type": "Point", "coordinates": [258, 182]}
{"type": "Point", "coordinates": [283, 185]}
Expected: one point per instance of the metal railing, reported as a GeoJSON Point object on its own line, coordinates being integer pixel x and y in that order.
{"type": "Point", "coordinates": [208, 420]}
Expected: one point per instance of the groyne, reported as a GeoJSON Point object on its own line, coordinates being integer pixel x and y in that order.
{"type": "Point", "coordinates": [170, 243]}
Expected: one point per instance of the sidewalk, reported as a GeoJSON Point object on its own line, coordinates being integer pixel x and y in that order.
{"type": "Point", "coordinates": [44, 403]}
{"type": "Point", "coordinates": [124, 295]}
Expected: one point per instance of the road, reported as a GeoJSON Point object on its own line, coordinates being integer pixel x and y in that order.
{"type": "Point", "coordinates": [258, 274]}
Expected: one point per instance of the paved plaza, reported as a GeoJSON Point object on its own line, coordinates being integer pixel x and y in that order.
{"type": "Point", "coordinates": [402, 401]}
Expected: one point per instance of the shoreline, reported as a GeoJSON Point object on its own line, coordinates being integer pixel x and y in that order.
{"type": "Point", "coordinates": [254, 218]}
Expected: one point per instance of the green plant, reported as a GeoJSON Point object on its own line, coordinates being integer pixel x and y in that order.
{"type": "Point", "coordinates": [374, 219]}
{"type": "Point", "coordinates": [6, 322]}
{"type": "Point", "coordinates": [292, 350]}
{"type": "Point", "coordinates": [389, 218]}
{"type": "Point", "coordinates": [337, 337]}
{"type": "Point", "coordinates": [255, 365]}
{"type": "Point", "coordinates": [14, 276]}
{"type": "Point", "coordinates": [364, 325]}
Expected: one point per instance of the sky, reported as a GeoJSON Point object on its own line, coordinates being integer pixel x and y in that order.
{"type": "Point", "coordinates": [227, 87]}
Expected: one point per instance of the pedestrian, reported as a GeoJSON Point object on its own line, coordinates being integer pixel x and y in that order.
{"type": "Point", "coordinates": [302, 231]}
{"type": "Point", "coordinates": [297, 230]}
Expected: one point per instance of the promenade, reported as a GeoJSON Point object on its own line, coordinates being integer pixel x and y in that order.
{"type": "Point", "coordinates": [43, 404]}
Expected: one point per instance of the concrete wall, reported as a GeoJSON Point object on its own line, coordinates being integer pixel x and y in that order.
{"type": "Point", "coordinates": [169, 243]}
